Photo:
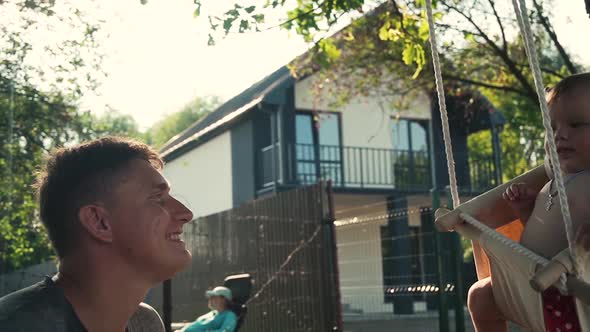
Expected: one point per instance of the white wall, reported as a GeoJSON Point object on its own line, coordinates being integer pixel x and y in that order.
{"type": "Point", "coordinates": [365, 120]}
{"type": "Point", "coordinates": [360, 262]}
{"type": "Point", "coordinates": [361, 268]}
{"type": "Point", "coordinates": [366, 123]}
{"type": "Point", "coordinates": [202, 178]}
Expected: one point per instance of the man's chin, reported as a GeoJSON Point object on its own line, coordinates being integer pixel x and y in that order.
{"type": "Point", "coordinates": [172, 266]}
{"type": "Point", "coordinates": [179, 263]}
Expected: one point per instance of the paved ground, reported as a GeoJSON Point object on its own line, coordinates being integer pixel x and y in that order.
{"type": "Point", "coordinates": [411, 323]}
{"type": "Point", "coordinates": [386, 323]}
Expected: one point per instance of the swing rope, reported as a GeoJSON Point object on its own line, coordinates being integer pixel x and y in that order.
{"type": "Point", "coordinates": [526, 31]}
{"type": "Point", "coordinates": [524, 24]}
{"type": "Point", "coordinates": [442, 106]}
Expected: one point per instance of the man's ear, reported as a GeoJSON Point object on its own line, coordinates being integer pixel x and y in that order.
{"type": "Point", "coordinates": [95, 219]}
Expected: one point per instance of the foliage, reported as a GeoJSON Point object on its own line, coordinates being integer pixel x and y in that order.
{"type": "Point", "coordinates": [111, 123]}
{"type": "Point", "coordinates": [40, 82]}
{"type": "Point", "coordinates": [173, 124]}
{"type": "Point", "coordinates": [386, 52]}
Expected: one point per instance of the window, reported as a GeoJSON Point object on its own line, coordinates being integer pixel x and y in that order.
{"type": "Point", "coordinates": [318, 137]}
{"type": "Point", "coordinates": [409, 135]}
{"type": "Point", "coordinates": [411, 164]}
{"type": "Point", "coordinates": [329, 128]}
{"type": "Point", "coordinates": [304, 129]}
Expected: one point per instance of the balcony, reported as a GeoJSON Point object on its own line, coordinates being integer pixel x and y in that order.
{"type": "Point", "coordinates": [363, 168]}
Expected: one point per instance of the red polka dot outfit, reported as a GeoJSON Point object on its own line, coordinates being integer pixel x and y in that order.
{"type": "Point", "coordinates": [559, 312]}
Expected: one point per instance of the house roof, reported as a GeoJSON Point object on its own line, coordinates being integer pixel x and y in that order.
{"type": "Point", "coordinates": [242, 102]}
{"type": "Point", "coordinates": [230, 110]}
{"type": "Point", "coordinates": [257, 93]}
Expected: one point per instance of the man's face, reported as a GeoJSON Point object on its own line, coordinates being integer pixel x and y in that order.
{"type": "Point", "coordinates": [570, 119]}
{"type": "Point", "coordinates": [147, 222]}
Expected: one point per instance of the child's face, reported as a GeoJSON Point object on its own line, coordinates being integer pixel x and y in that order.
{"type": "Point", "coordinates": [570, 119]}
{"type": "Point", "coordinates": [217, 303]}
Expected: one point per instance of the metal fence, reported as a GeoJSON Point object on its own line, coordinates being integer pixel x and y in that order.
{"type": "Point", "coordinates": [285, 243]}
{"type": "Point", "coordinates": [396, 271]}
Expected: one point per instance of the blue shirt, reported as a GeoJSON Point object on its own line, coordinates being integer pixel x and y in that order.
{"type": "Point", "coordinates": [214, 321]}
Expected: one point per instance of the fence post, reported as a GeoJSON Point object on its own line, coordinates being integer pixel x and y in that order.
{"type": "Point", "coordinates": [167, 304]}
{"type": "Point", "coordinates": [497, 152]}
{"type": "Point", "coordinates": [457, 253]}
{"type": "Point", "coordinates": [332, 250]}
{"type": "Point", "coordinates": [443, 313]}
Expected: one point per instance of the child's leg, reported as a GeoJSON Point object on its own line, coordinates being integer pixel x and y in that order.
{"type": "Point", "coordinates": [484, 312]}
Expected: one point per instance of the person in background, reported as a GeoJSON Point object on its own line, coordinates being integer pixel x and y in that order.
{"type": "Point", "coordinates": [220, 318]}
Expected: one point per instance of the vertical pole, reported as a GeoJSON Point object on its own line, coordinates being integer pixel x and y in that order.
{"type": "Point", "coordinates": [167, 304]}
{"type": "Point", "coordinates": [273, 142]}
{"type": "Point", "coordinates": [412, 174]}
{"type": "Point", "coordinates": [497, 151]}
{"type": "Point", "coordinates": [457, 253]}
{"type": "Point", "coordinates": [443, 313]}
{"type": "Point", "coordinates": [401, 248]}
{"type": "Point", "coordinates": [333, 258]}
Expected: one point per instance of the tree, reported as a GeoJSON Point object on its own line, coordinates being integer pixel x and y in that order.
{"type": "Point", "coordinates": [386, 50]}
{"type": "Point", "coordinates": [163, 130]}
{"type": "Point", "coordinates": [110, 123]}
{"type": "Point", "coordinates": [40, 82]}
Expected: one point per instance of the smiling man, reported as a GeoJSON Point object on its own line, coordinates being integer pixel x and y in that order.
{"type": "Point", "coordinates": [116, 231]}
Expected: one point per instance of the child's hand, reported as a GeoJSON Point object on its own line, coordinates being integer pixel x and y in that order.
{"type": "Point", "coordinates": [521, 198]}
{"type": "Point", "coordinates": [519, 193]}
{"type": "Point", "coordinates": [583, 236]}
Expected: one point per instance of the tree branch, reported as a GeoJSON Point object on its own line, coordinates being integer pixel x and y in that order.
{"type": "Point", "coordinates": [503, 54]}
{"type": "Point", "coordinates": [483, 84]}
{"type": "Point", "coordinates": [545, 70]}
{"type": "Point", "coordinates": [450, 27]}
{"type": "Point", "coordinates": [548, 28]}
{"type": "Point", "coordinates": [504, 43]}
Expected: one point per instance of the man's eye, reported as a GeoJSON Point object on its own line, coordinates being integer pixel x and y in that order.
{"type": "Point", "coordinates": [159, 198]}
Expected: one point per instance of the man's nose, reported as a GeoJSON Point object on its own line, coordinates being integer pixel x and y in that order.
{"type": "Point", "coordinates": [181, 212]}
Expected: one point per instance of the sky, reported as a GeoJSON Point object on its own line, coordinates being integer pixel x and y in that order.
{"type": "Point", "coordinates": [157, 58]}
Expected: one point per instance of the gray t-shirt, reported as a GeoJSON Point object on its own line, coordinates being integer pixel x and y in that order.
{"type": "Point", "coordinates": [43, 307]}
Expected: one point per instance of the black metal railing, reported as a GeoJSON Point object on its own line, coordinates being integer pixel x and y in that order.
{"type": "Point", "coordinates": [482, 175]}
{"type": "Point", "coordinates": [370, 168]}
{"type": "Point", "coordinates": [358, 167]}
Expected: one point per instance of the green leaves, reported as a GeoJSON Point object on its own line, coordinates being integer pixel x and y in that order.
{"type": "Point", "coordinates": [469, 37]}
{"type": "Point", "coordinates": [423, 29]}
{"type": "Point", "coordinates": [390, 31]}
{"type": "Point", "coordinates": [175, 123]}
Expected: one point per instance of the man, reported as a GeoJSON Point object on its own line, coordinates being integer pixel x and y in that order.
{"type": "Point", "coordinates": [116, 231]}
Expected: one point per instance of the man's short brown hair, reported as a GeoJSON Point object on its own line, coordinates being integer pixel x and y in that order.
{"type": "Point", "coordinates": [566, 86]}
{"type": "Point", "coordinates": [75, 176]}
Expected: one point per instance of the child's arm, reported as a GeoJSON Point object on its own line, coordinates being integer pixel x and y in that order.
{"type": "Point", "coordinates": [578, 194]}
{"type": "Point", "coordinates": [521, 199]}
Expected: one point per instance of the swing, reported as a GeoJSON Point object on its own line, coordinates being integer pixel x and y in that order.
{"type": "Point", "coordinates": [518, 274]}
